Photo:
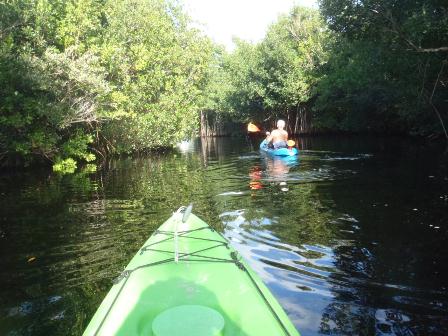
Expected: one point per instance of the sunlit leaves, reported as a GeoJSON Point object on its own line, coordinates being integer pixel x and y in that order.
{"type": "Point", "coordinates": [129, 73]}
{"type": "Point", "coordinates": [278, 74]}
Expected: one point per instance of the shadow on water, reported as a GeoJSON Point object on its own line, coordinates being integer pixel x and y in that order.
{"type": "Point", "coordinates": [352, 240]}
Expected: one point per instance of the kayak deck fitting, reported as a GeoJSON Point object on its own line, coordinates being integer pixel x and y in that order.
{"type": "Point", "coordinates": [187, 280]}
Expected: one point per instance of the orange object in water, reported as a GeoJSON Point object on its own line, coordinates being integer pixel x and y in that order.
{"type": "Point", "coordinates": [252, 128]}
{"type": "Point", "coordinates": [255, 185]}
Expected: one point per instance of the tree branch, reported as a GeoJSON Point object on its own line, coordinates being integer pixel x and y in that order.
{"type": "Point", "coordinates": [394, 28]}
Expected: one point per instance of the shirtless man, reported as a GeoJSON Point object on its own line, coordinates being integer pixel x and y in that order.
{"type": "Point", "coordinates": [279, 136]}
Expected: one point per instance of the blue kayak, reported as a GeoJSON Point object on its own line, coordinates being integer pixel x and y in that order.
{"type": "Point", "coordinates": [278, 152]}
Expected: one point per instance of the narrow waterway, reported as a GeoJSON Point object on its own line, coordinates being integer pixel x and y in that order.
{"type": "Point", "coordinates": [352, 238]}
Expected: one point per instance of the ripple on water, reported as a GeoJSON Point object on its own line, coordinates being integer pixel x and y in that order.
{"type": "Point", "coordinates": [313, 269]}
{"type": "Point", "coordinates": [233, 193]}
{"type": "Point", "coordinates": [336, 266]}
{"type": "Point", "coordinates": [302, 268]}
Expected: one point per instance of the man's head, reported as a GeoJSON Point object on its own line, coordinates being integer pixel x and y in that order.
{"type": "Point", "coordinates": [281, 124]}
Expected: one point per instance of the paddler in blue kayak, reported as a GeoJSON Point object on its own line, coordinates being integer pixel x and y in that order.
{"type": "Point", "coordinates": [278, 138]}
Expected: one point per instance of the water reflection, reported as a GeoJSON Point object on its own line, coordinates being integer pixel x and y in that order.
{"type": "Point", "coordinates": [277, 169]}
{"type": "Point", "coordinates": [335, 236]}
{"type": "Point", "coordinates": [271, 171]}
{"type": "Point", "coordinates": [255, 174]}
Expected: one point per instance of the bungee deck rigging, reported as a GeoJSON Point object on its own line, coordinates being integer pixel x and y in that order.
{"type": "Point", "coordinates": [200, 253]}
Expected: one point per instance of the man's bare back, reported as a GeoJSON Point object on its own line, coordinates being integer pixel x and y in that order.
{"type": "Point", "coordinates": [279, 136]}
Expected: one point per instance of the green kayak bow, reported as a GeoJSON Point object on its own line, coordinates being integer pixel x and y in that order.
{"type": "Point", "coordinates": [186, 280]}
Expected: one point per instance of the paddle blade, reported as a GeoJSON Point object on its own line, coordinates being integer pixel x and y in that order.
{"type": "Point", "coordinates": [252, 128]}
{"type": "Point", "coordinates": [291, 143]}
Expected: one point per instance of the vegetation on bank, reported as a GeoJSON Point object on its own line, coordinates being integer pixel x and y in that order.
{"type": "Point", "coordinates": [387, 70]}
{"type": "Point", "coordinates": [356, 66]}
{"type": "Point", "coordinates": [82, 79]}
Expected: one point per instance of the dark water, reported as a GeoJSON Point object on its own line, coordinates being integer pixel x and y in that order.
{"type": "Point", "coordinates": [352, 239]}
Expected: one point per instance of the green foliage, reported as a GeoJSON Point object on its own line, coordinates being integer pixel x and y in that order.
{"type": "Point", "coordinates": [217, 86]}
{"type": "Point", "coordinates": [119, 76]}
{"type": "Point", "coordinates": [277, 76]}
{"type": "Point", "coordinates": [81, 25]}
{"type": "Point", "coordinates": [245, 95]}
{"type": "Point", "coordinates": [160, 70]}
{"type": "Point", "coordinates": [382, 67]}
{"type": "Point", "coordinates": [67, 166]}
{"type": "Point", "coordinates": [109, 76]}
{"type": "Point", "coordinates": [77, 146]}
{"type": "Point", "coordinates": [291, 52]}
{"type": "Point", "coordinates": [386, 69]}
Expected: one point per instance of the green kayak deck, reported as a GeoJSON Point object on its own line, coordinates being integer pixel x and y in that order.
{"type": "Point", "coordinates": [186, 280]}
